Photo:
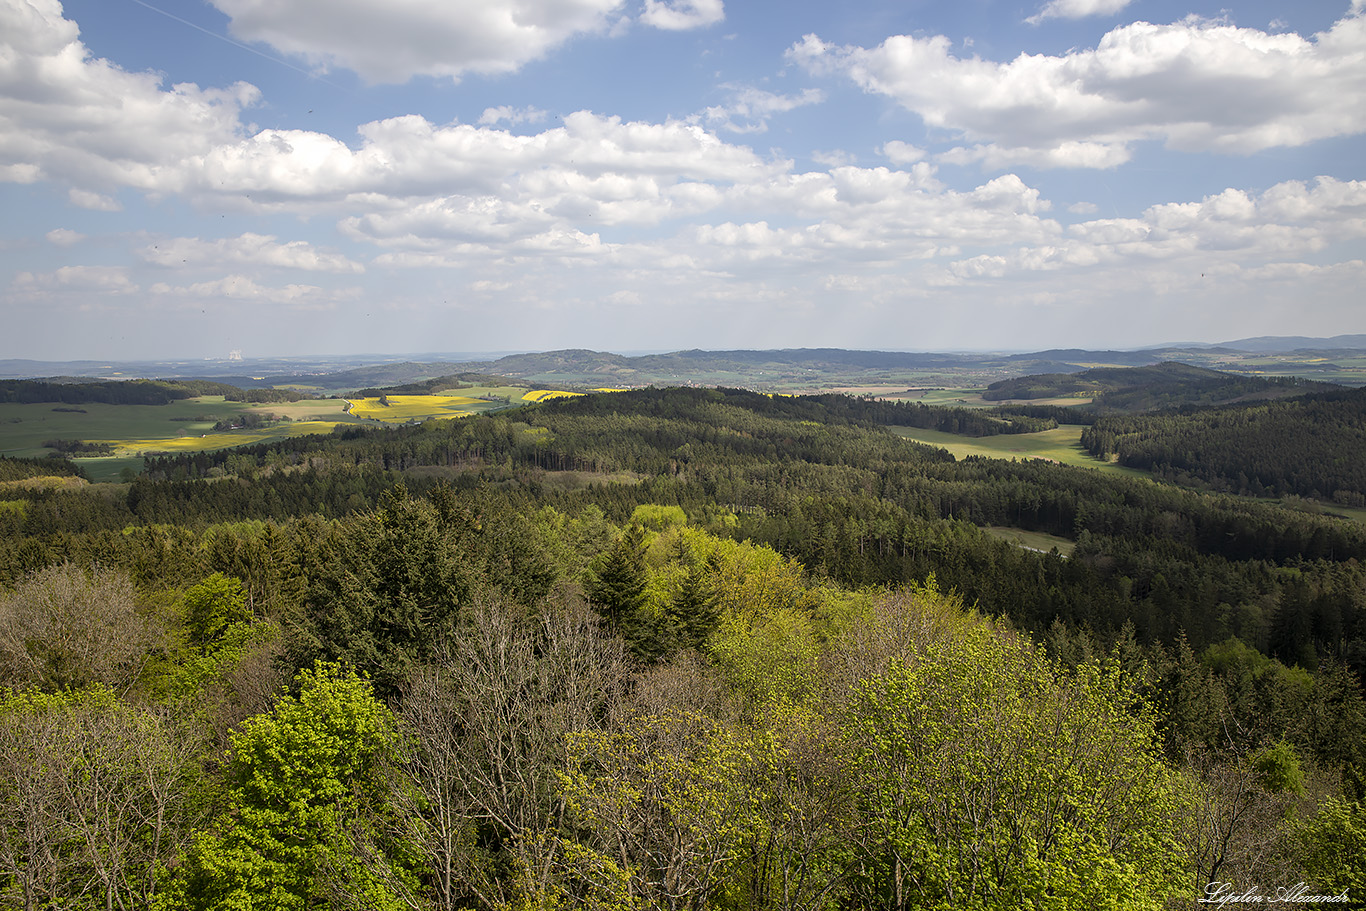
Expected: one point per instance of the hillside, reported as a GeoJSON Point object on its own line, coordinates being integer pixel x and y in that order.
{"type": "Point", "coordinates": [1148, 388]}
{"type": "Point", "coordinates": [1308, 446]}
{"type": "Point", "coordinates": [692, 617]}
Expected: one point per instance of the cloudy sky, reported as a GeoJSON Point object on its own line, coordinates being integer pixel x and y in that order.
{"type": "Point", "coordinates": [181, 178]}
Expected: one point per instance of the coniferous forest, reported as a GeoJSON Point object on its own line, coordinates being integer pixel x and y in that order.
{"type": "Point", "coordinates": [682, 649]}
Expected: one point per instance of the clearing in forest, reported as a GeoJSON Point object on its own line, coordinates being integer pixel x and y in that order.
{"type": "Point", "coordinates": [1062, 444]}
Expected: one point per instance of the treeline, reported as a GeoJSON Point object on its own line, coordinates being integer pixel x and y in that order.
{"type": "Point", "coordinates": [436, 384]}
{"type": "Point", "coordinates": [263, 395]}
{"type": "Point", "coordinates": [79, 448]}
{"type": "Point", "coordinates": [112, 392]}
{"type": "Point", "coordinates": [20, 469]}
{"type": "Point", "coordinates": [1307, 447]}
{"type": "Point", "coordinates": [973, 422]}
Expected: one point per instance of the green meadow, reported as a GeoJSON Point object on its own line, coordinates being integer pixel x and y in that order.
{"type": "Point", "coordinates": [1062, 444]}
{"type": "Point", "coordinates": [1031, 540]}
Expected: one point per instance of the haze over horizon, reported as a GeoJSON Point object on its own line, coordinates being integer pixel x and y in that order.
{"type": "Point", "coordinates": [182, 179]}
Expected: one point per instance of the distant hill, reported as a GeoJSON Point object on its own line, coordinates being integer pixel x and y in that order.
{"type": "Point", "coordinates": [1149, 388]}
{"type": "Point", "coordinates": [1287, 343]}
{"type": "Point", "coordinates": [788, 369]}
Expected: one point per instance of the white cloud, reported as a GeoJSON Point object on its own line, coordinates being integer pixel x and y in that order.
{"type": "Point", "coordinates": [750, 109]}
{"type": "Point", "coordinates": [902, 153]}
{"type": "Point", "coordinates": [68, 116]}
{"type": "Point", "coordinates": [511, 115]}
{"type": "Point", "coordinates": [64, 237]}
{"type": "Point", "coordinates": [243, 288]}
{"type": "Point", "coordinates": [678, 15]}
{"type": "Point", "coordinates": [394, 40]}
{"type": "Point", "coordinates": [97, 202]}
{"type": "Point", "coordinates": [1225, 232]}
{"type": "Point", "coordinates": [406, 157]}
{"type": "Point", "coordinates": [257, 249]}
{"type": "Point", "coordinates": [1194, 85]}
{"type": "Point", "coordinates": [96, 279]}
{"type": "Point", "coordinates": [835, 158]}
{"type": "Point", "coordinates": [1077, 9]}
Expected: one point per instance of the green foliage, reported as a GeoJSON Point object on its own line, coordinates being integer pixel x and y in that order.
{"type": "Point", "coordinates": [402, 580]}
{"type": "Point", "coordinates": [212, 606]}
{"type": "Point", "coordinates": [658, 518]}
{"type": "Point", "coordinates": [615, 585]}
{"type": "Point", "coordinates": [304, 827]}
{"type": "Point", "coordinates": [1333, 849]}
{"type": "Point", "coordinates": [993, 780]}
{"type": "Point", "coordinates": [772, 658]}
{"type": "Point", "coordinates": [1278, 769]}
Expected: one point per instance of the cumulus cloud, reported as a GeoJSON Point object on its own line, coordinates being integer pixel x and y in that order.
{"type": "Point", "coordinates": [1220, 233]}
{"type": "Point", "coordinates": [511, 115]}
{"type": "Point", "coordinates": [97, 279]}
{"type": "Point", "coordinates": [243, 288]}
{"type": "Point", "coordinates": [1195, 85]}
{"type": "Point", "coordinates": [1077, 9]}
{"type": "Point", "coordinates": [69, 116]}
{"type": "Point", "coordinates": [96, 202]}
{"type": "Point", "coordinates": [64, 237]}
{"type": "Point", "coordinates": [408, 156]}
{"type": "Point", "coordinates": [898, 152]}
{"type": "Point", "coordinates": [395, 40]}
{"type": "Point", "coordinates": [249, 248]}
{"type": "Point", "coordinates": [678, 15]}
{"type": "Point", "coordinates": [750, 109]}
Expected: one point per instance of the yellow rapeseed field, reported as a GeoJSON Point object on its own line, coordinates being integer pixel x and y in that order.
{"type": "Point", "coordinates": [541, 395]}
{"type": "Point", "coordinates": [412, 407]}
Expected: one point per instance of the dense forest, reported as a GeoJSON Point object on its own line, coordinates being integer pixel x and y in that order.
{"type": "Point", "coordinates": [112, 392]}
{"type": "Point", "coordinates": [1308, 446]}
{"type": "Point", "coordinates": [1146, 388]}
{"type": "Point", "coordinates": [669, 649]}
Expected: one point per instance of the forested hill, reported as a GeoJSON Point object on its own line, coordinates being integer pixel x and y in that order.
{"type": "Point", "coordinates": [819, 480]}
{"type": "Point", "coordinates": [1311, 446]}
{"type": "Point", "coordinates": [75, 391]}
{"type": "Point", "coordinates": [1166, 385]}
{"type": "Point", "coordinates": [669, 648]}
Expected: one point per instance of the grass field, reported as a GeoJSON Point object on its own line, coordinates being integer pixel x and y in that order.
{"type": "Point", "coordinates": [1060, 445]}
{"type": "Point", "coordinates": [1031, 540]}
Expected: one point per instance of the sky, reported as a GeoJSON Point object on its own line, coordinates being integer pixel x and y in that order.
{"type": "Point", "coordinates": [188, 178]}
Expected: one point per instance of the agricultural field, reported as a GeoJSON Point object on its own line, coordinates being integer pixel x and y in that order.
{"type": "Point", "coordinates": [188, 425]}
{"type": "Point", "coordinates": [1062, 444]}
{"type": "Point", "coordinates": [399, 409]}
{"type": "Point", "coordinates": [543, 395]}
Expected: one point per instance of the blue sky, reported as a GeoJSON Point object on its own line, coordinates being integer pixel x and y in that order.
{"type": "Point", "coordinates": [183, 178]}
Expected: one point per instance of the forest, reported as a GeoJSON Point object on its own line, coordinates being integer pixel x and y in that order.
{"type": "Point", "coordinates": [671, 649]}
{"type": "Point", "coordinates": [1154, 386]}
{"type": "Point", "coordinates": [1308, 446]}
